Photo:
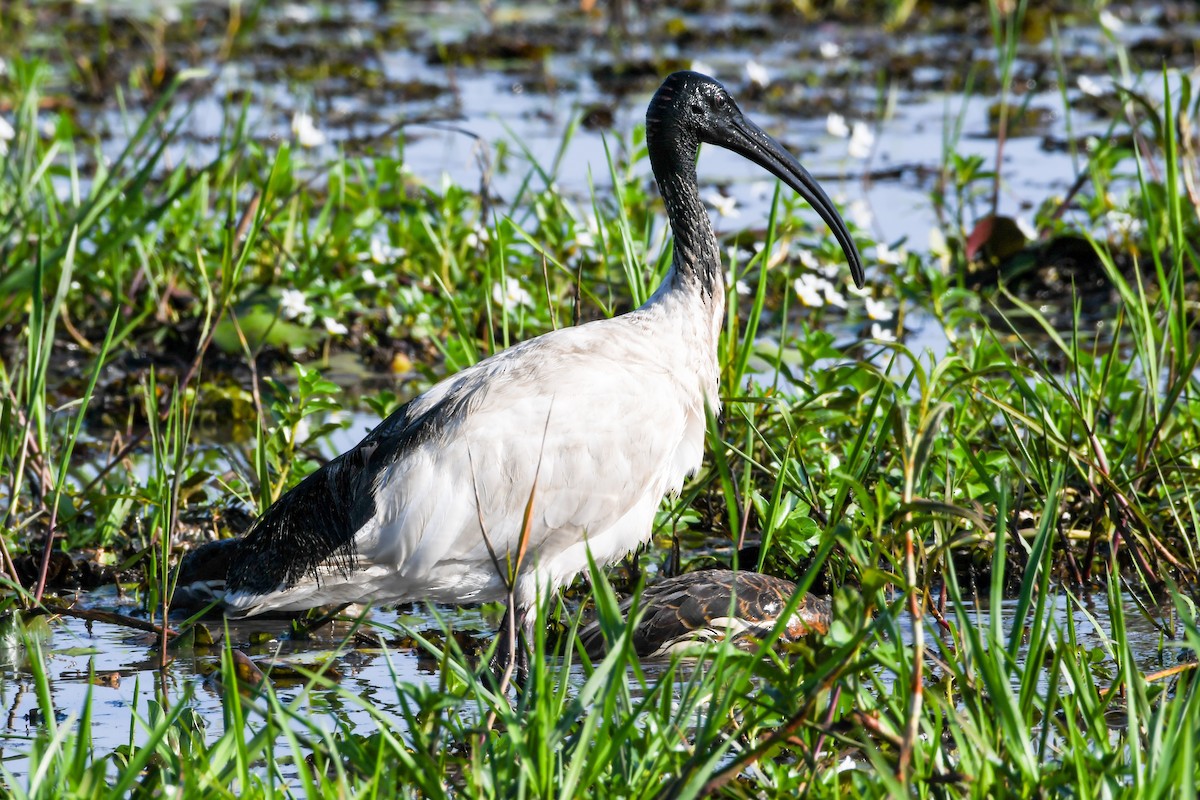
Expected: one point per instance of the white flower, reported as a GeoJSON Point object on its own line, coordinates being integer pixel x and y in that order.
{"type": "Point", "coordinates": [701, 67]}
{"type": "Point", "coordinates": [292, 304]}
{"type": "Point", "coordinates": [1125, 224]}
{"type": "Point", "coordinates": [1089, 86]}
{"type": "Point", "coordinates": [725, 205]}
{"type": "Point", "coordinates": [832, 296]}
{"type": "Point", "coordinates": [881, 333]}
{"type": "Point", "coordinates": [307, 134]}
{"type": "Point", "coordinates": [808, 260]}
{"type": "Point", "coordinates": [861, 141]}
{"type": "Point", "coordinates": [809, 290]}
{"type": "Point", "coordinates": [835, 125]}
{"type": "Point", "coordinates": [335, 327]}
{"type": "Point", "coordinates": [1109, 21]}
{"type": "Point", "coordinates": [6, 135]}
{"type": "Point", "coordinates": [829, 50]}
{"type": "Point", "coordinates": [584, 238]}
{"type": "Point", "coordinates": [3, 67]}
{"type": "Point", "coordinates": [381, 252]}
{"type": "Point", "coordinates": [886, 255]}
{"type": "Point", "coordinates": [877, 309]}
{"type": "Point", "coordinates": [757, 74]}
{"type": "Point", "coordinates": [739, 286]}
{"type": "Point", "coordinates": [472, 239]}
{"type": "Point", "coordinates": [511, 294]}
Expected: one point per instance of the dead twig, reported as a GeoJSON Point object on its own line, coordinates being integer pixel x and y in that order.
{"type": "Point", "coordinates": [109, 617]}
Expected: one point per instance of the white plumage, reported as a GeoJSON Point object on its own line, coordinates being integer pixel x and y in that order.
{"type": "Point", "coordinates": [599, 422]}
{"type": "Point", "coordinates": [606, 419]}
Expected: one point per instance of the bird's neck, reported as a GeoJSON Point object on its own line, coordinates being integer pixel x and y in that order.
{"type": "Point", "coordinates": [697, 262]}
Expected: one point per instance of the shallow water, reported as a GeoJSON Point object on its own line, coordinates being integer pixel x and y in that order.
{"type": "Point", "coordinates": [359, 69]}
{"type": "Point", "coordinates": [118, 667]}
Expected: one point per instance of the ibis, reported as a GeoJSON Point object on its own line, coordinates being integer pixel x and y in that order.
{"type": "Point", "coordinates": [499, 481]}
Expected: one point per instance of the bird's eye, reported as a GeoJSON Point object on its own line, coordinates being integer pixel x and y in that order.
{"type": "Point", "coordinates": [696, 109]}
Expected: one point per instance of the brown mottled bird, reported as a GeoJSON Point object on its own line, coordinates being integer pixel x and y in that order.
{"type": "Point", "coordinates": [712, 605]}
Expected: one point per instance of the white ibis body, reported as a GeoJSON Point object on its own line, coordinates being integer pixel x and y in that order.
{"type": "Point", "coordinates": [589, 426]}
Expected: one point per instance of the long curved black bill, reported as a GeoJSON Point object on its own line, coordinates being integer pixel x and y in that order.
{"type": "Point", "coordinates": [750, 141]}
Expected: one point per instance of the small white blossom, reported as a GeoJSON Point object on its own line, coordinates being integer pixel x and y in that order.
{"type": "Point", "coordinates": [725, 205]}
{"type": "Point", "coordinates": [702, 68]}
{"type": "Point", "coordinates": [877, 309]}
{"type": "Point", "coordinates": [757, 74]}
{"type": "Point", "coordinates": [739, 286]}
{"type": "Point", "coordinates": [584, 238]}
{"type": "Point", "coordinates": [886, 255]}
{"type": "Point", "coordinates": [335, 327]}
{"type": "Point", "coordinates": [881, 333]}
{"type": "Point", "coordinates": [833, 297]}
{"type": "Point", "coordinates": [861, 141]}
{"type": "Point", "coordinates": [382, 252]}
{"type": "Point", "coordinates": [307, 134]}
{"type": "Point", "coordinates": [1125, 224]}
{"type": "Point", "coordinates": [835, 125]}
{"type": "Point", "coordinates": [1109, 21]}
{"type": "Point", "coordinates": [1089, 86]}
{"type": "Point", "coordinates": [510, 294]}
{"type": "Point", "coordinates": [829, 50]}
{"type": "Point", "coordinates": [473, 239]}
{"type": "Point", "coordinates": [809, 288]}
{"type": "Point", "coordinates": [293, 303]}
{"type": "Point", "coordinates": [808, 260]}
{"type": "Point", "coordinates": [368, 277]}
{"type": "Point", "coordinates": [3, 67]}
